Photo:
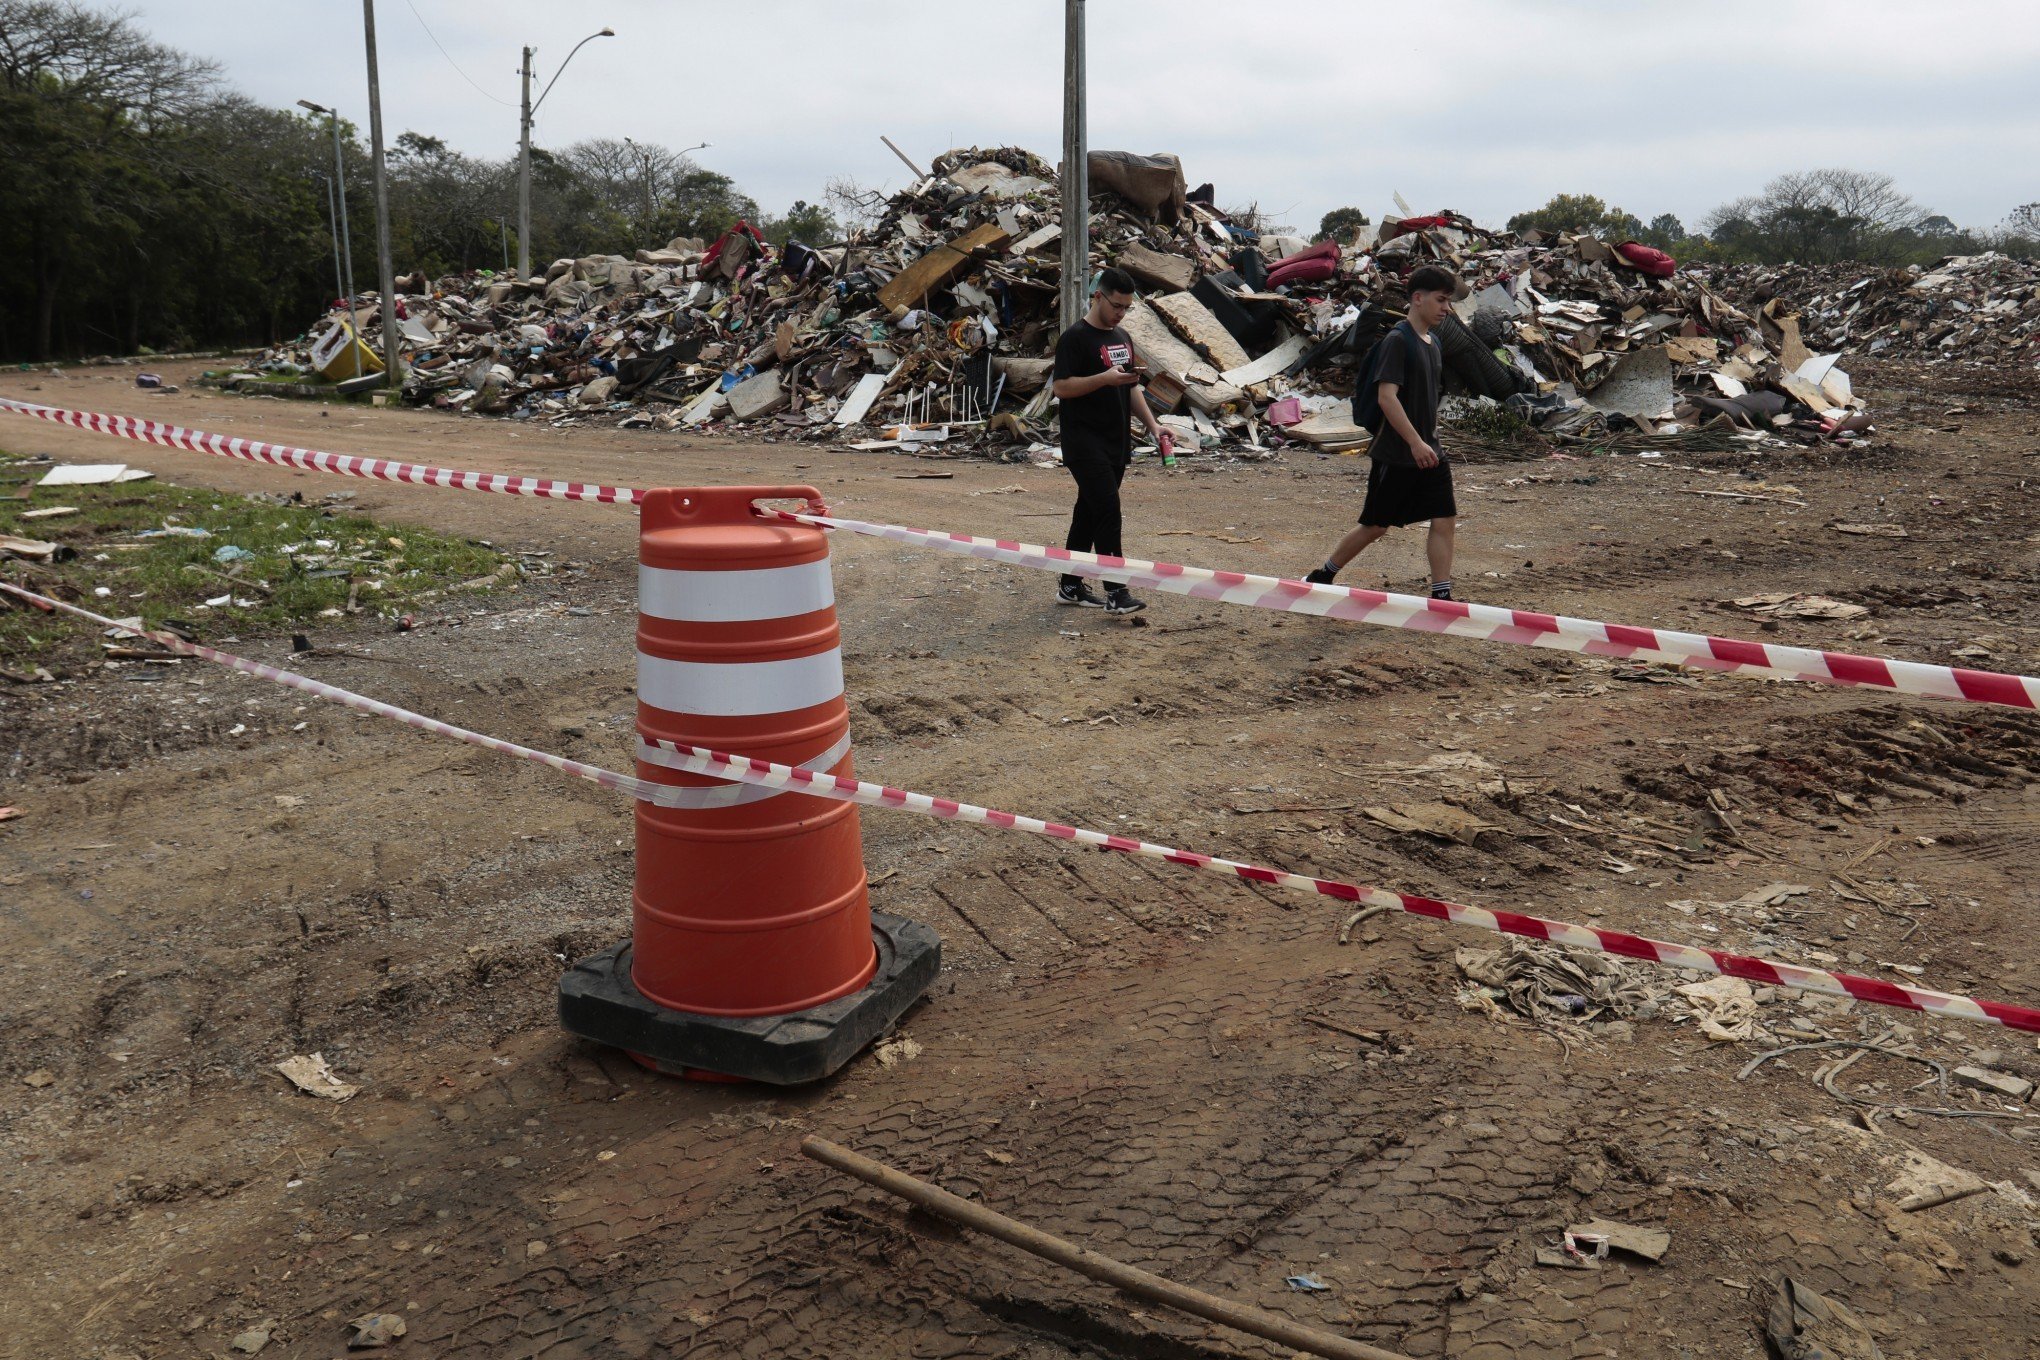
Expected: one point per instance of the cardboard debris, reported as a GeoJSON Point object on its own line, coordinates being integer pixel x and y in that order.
{"type": "Point", "coordinates": [1441, 821]}
{"type": "Point", "coordinates": [1790, 606]}
{"type": "Point", "coordinates": [310, 1074]}
{"type": "Point", "coordinates": [1725, 1006]}
{"type": "Point", "coordinates": [1649, 1243]}
{"type": "Point", "coordinates": [1972, 308]}
{"type": "Point", "coordinates": [33, 549]}
{"type": "Point", "coordinates": [1546, 982]}
{"type": "Point", "coordinates": [86, 474]}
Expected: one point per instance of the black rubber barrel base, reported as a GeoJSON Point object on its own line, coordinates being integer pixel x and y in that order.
{"type": "Point", "coordinates": [599, 1002]}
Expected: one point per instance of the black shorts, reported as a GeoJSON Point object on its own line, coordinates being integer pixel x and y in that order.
{"type": "Point", "coordinates": [1398, 495]}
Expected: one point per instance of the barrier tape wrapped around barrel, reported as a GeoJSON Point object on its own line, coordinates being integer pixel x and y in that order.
{"type": "Point", "coordinates": [781, 976]}
{"type": "Point", "coordinates": [775, 779]}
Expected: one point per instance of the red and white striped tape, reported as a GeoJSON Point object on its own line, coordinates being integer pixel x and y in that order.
{"type": "Point", "coordinates": [1457, 618]}
{"type": "Point", "coordinates": [312, 460]}
{"type": "Point", "coordinates": [786, 779]}
{"type": "Point", "coordinates": [1452, 618]}
{"type": "Point", "coordinates": [608, 779]}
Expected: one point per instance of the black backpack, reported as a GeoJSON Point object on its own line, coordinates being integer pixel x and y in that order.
{"type": "Point", "coordinates": [1366, 388]}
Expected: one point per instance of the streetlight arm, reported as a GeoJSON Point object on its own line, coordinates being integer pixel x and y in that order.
{"type": "Point", "coordinates": [605, 33]}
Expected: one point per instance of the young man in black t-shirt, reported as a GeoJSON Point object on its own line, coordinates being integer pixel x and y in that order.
{"type": "Point", "coordinates": [1411, 481]}
{"type": "Point", "coordinates": [1100, 393]}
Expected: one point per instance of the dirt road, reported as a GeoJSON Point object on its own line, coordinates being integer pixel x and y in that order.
{"type": "Point", "coordinates": [212, 876]}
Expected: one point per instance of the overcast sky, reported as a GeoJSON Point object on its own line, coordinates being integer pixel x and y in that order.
{"type": "Point", "coordinates": [1484, 106]}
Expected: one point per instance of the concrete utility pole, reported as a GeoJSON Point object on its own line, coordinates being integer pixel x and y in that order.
{"type": "Point", "coordinates": [1076, 172]}
{"type": "Point", "coordinates": [530, 107]}
{"type": "Point", "coordinates": [524, 175]}
{"type": "Point", "coordinates": [382, 207]}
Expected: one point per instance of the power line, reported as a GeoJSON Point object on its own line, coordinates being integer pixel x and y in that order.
{"type": "Point", "coordinates": [449, 56]}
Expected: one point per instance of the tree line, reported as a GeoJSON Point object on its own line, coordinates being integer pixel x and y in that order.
{"type": "Point", "coordinates": [151, 207]}
{"type": "Point", "coordinates": [1809, 217]}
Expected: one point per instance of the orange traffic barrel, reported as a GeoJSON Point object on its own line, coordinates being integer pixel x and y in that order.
{"type": "Point", "coordinates": [754, 950]}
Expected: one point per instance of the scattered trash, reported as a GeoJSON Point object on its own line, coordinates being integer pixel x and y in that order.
{"type": "Point", "coordinates": [310, 1074]}
{"type": "Point", "coordinates": [1543, 981]}
{"type": "Point", "coordinates": [1649, 1243]}
{"type": "Point", "coordinates": [91, 474]}
{"type": "Point", "coordinates": [942, 309]}
{"type": "Point", "coordinates": [49, 512]}
{"type": "Point", "coordinates": [1441, 821]}
{"type": "Point", "coordinates": [1972, 308]}
{"type": "Point", "coordinates": [1726, 1007]}
{"type": "Point", "coordinates": [1790, 606]}
{"type": "Point", "coordinates": [898, 1049]}
{"type": "Point", "coordinates": [375, 1329]}
{"type": "Point", "coordinates": [8, 814]}
{"type": "Point", "coordinates": [229, 553]}
{"type": "Point", "coordinates": [34, 549]}
{"type": "Point", "coordinates": [1307, 1284]}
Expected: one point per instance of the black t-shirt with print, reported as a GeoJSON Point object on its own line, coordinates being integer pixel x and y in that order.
{"type": "Point", "coordinates": [1412, 364]}
{"type": "Point", "coordinates": [1098, 424]}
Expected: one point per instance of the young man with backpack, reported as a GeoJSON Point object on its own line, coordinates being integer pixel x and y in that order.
{"type": "Point", "coordinates": [1100, 393]}
{"type": "Point", "coordinates": [1396, 399]}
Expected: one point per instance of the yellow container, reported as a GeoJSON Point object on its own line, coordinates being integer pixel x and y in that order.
{"type": "Point", "coordinates": [339, 354]}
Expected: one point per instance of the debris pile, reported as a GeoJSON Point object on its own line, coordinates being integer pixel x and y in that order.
{"type": "Point", "coordinates": [1982, 310]}
{"type": "Point", "coordinates": [932, 330]}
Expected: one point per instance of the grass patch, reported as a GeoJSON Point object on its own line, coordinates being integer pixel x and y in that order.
{"type": "Point", "coordinates": [171, 553]}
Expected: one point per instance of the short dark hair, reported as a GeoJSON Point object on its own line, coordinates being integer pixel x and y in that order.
{"type": "Point", "coordinates": [1113, 279]}
{"type": "Point", "coordinates": [1432, 278]}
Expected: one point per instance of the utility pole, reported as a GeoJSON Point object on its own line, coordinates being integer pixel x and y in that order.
{"type": "Point", "coordinates": [1076, 172]}
{"type": "Point", "coordinates": [382, 206]}
{"type": "Point", "coordinates": [524, 148]}
{"type": "Point", "coordinates": [524, 175]}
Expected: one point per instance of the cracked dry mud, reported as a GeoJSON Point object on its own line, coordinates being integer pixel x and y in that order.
{"type": "Point", "coordinates": [1118, 1052]}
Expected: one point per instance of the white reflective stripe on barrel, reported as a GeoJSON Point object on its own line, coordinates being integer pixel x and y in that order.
{"type": "Point", "coordinates": [740, 689]}
{"type": "Point", "coordinates": [742, 596]}
{"type": "Point", "coordinates": [728, 795]}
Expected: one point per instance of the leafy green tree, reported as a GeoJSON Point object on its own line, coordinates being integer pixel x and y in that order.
{"type": "Point", "coordinates": [1341, 223]}
{"type": "Point", "coordinates": [1580, 214]}
{"type": "Point", "coordinates": [1664, 232]}
{"type": "Point", "coordinates": [806, 222]}
{"type": "Point", "coordinates": [147, 205]}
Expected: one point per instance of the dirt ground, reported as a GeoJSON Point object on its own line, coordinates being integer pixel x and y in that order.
{"type": "Point", "coordinates": [213, 874]}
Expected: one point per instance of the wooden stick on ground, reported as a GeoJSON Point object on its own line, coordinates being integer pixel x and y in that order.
{"type": "Point", "coordinates": [1130, 1279]}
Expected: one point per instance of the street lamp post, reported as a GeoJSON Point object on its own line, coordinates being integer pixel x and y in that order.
{"type": "Point", "coordinates": [382, 205]}
{"type": "Point", "coordinates": [530, 107]}
{"type": "Point", "coordinates": [341, 240]}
